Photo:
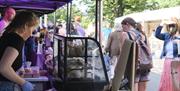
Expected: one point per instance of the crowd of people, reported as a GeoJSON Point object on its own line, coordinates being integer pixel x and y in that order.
{"type": "Point", "coordinates": [130, 29]}
{"type": "Point", "coordinates": [22, 41]}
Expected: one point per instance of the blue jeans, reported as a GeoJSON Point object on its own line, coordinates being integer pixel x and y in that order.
{"type": "Point", "coordinates": [6, 86]}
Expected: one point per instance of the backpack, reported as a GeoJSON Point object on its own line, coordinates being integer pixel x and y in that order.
{"type": "Point", "coordinates": [144, 60]}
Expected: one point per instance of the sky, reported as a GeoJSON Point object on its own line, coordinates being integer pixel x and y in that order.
{"type": "Point", "coordinates": [82, 7]}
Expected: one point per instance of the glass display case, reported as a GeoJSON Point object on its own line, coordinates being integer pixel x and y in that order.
{"type": "Point", "coordinates": [79, 64]}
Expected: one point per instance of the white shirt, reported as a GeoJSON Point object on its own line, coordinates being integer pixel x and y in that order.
{"type": "Point", "coordinates": [169, 49]}
{"type": "Point", "coordinates": [40, 48]}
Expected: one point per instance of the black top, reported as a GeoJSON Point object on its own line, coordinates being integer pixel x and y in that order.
{"type": "Point", "coordinates": [15, 41]}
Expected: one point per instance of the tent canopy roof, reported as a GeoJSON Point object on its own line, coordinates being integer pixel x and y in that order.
{"type": "Point", "coordinates": [153, 15]}
{"type": "Point", "coordinates": [38, 6]}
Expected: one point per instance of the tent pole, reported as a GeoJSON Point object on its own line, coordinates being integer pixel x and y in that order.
{"type": "Point", "coordinates": [54, 17]}
{"type": "Point", "coordinates": [96, 21]}
{"type": "Point", "coordinates": [100, 20]}
{"type": "Point", "coordinates": [67, 20]}
{"type": "Point", "coordinates": [69, 14]}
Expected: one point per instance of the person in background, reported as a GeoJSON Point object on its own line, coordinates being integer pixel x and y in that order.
{"type": "Point", "coordinates": [72, 31]}
{"type": "Point", "coordinates": [40, 54]}
{"type": "Point", "coordinates": [7, 17]}
{"type": "Point", "coordinates": [106, 30]}
{"type": "Point", "coordinates": [130, 25]}
{"type": "Point", "coordinates": [90, 32]}
{"type": "Point", "coordinates": [78, 27]}
{"type": "Point", "coordinates": [61, 30]}
{"type": "Point", "coordinates": [170, 51]}
{"type": "Point", "coordinates": [11, 44]}
{"type": "Point", "coordinates": [142, 76]}
{"type": "Point", "coordinates": [113, 48]}
{"type": "Point", "coordinates": [49, 60]}
{"type": "Point", "coordinates": [30, 50]}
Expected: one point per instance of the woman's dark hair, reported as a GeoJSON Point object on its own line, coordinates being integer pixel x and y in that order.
{"type": "Point", "coordinates": [72, 30]}
{"type": "Point", "coordinates": [129, 20]}
{"type": "Point", "coordinates": [21, 20]}
{"type": "Point", "coordinates": [139, 28]}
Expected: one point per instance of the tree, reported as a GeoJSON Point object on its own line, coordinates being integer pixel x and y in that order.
{"type": "Point", "coordinates": [166, 3]}
{"type": "Point", "coordinates": [61, 13]}
{"type": "Point", "coordinates": [114, 8]}
{"type": "Point", "coordinates": [117, 8]}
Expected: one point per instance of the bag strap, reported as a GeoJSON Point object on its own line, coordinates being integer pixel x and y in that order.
{"type": "Point", "coordinates": [136, 38]}
{"type": "Point", "coordinates": [139, 36]}
{"type": "Point", "coordinates": [145, 40]}
{"type": "Point", "coordinates": [129, 36]}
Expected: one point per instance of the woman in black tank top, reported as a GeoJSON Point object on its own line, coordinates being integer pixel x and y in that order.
{"type": "Point", "coordinates": [11, 44]}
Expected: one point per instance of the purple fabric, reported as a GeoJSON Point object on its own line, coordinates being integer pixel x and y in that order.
{"type": "Point", "coordinates": [40, 61]}
{"type": "Point", "coordinates": [49, 5]}
{"type": "Point", "coordinates": [3, 25]}
{"type": "Point", "coordinates": [47, 41]}
{"type": "Point", "coordinates": [80, 30]}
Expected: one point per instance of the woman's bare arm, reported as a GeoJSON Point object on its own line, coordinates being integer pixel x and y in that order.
{"type": "Point", "coordinates": [6, 62]}
{"type": "Point", "coordinates": [107, 48]}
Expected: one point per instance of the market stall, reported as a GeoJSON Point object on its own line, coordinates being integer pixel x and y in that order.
{"type": "Point", "coordinates": [41, 78]}
{"type": "Point", "coordinates": [83, 70]}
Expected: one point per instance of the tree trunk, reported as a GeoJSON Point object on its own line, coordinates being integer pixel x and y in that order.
{"type": "Point", "coordinates": [120, 8]}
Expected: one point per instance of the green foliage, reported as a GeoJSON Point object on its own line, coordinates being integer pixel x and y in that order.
{"type": "Point", "coordinates": [138, 6]}
{"type": "Point", "coordinates": [112, 9]}
{"type": "Point", "coordinates": [166, 3]}
{"type": "Point", "coordinates": [61, 13]}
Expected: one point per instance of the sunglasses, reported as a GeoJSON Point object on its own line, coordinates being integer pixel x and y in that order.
{"type": "Point", "coordinates": [172, 25]}
{"type": "Point", "coordinates": [123, 23]}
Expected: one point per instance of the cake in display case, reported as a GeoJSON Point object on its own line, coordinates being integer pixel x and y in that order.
{"type": "Point", "coordinates": [79, 63]}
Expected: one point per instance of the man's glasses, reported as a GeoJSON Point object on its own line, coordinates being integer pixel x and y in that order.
{"type": "Point", "coordinates": [172, 25]}
{"type": "Point", "coordinates": [123, 23]}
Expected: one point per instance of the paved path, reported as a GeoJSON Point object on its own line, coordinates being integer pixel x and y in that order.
{"type": "Point", "coordinates": [155, 75]}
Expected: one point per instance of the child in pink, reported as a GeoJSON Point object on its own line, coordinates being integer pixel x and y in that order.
{"type": "Point", "coordinates": [7, 16]}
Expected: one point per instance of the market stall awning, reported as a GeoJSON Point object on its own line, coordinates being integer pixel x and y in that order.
{"type": "Point", "coordinates": [153, 15]}
{"type": "Point", "coordinates": [39, 6]}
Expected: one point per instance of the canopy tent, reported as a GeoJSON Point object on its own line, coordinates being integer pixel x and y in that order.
{"type": "Point", "coordinates": [153, 15]}
{"type": "Point", "coordinates": [151, 18]}
{"type": "Point", "coordinates": [38, 6]}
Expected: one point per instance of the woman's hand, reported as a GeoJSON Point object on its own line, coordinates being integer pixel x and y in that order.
{"type": "Point", "coordinates": [27, 86]}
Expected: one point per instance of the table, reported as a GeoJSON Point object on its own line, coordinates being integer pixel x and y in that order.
{"type": "Point", "coordinates": [40, 83]}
